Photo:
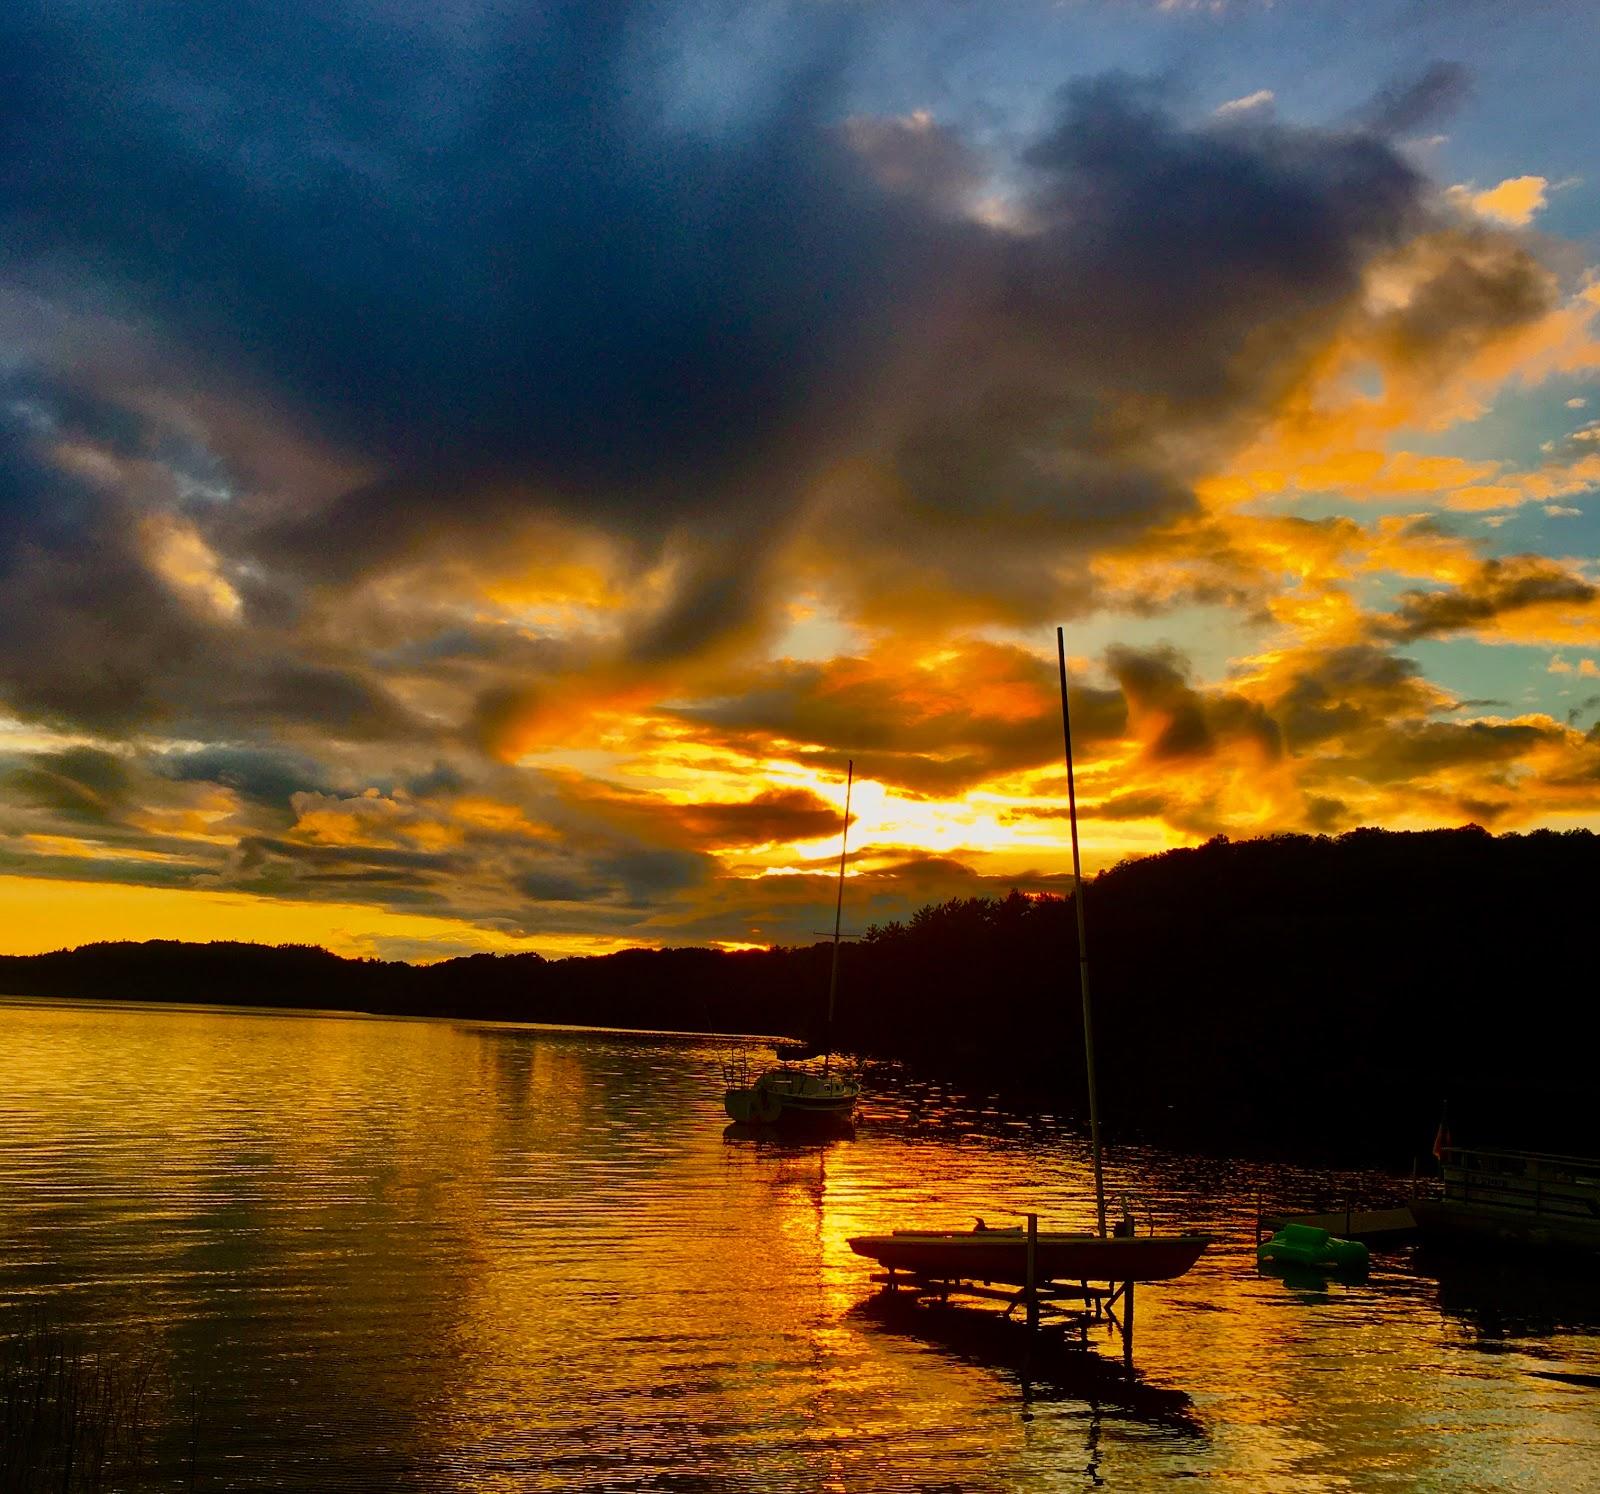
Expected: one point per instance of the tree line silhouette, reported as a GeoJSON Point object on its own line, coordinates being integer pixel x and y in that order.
{"type": "Point", "coordinates": [1303, 995]}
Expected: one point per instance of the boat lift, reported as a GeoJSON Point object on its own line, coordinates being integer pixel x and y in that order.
{"type": "Point", "coordinates": [1042, 1300]}
{"type": "Point", "coordinates": [1067, 1303]}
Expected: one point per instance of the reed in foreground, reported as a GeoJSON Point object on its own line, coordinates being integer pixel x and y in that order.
{"type": "Point", "coordinates": [73, 1420]}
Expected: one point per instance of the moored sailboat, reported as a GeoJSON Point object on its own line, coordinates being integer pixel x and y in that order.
{"type": "Point", "coordinates": [795, 1095]}
{"type": "Point", "coordinates": [941, 1258]}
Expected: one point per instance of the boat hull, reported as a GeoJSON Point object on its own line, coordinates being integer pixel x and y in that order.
{"type": "Point", "coordinates": [1504, 1200]}
{"type": "Point", "coordinates": [798, 1098]}
{"type": "Point", "coordinates": [1002, 1255]}
{"type": "Point", "coordinates": [1449, 1223]}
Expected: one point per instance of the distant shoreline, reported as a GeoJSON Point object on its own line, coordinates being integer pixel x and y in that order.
{"type": "Point", "coordinates": [1314, 997]}
{"type": "Point", "coordinates": [224, 1008]}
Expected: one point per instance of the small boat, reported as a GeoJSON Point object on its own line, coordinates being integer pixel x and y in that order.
{"type": "Point", "coordinates": [1002, 1255]}
{"type": "Point", "coordinates": [791, 1096]}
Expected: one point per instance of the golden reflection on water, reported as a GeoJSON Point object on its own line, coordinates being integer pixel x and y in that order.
{"type": "Point", "coordinates": [428, 1255]}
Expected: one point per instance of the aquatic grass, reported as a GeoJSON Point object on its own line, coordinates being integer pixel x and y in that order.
{"type": "Point", "coordinates": [72, 1420]}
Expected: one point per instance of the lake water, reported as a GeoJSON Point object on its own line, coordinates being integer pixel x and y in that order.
{"type": "Point", "coordinates": [426, 1255]}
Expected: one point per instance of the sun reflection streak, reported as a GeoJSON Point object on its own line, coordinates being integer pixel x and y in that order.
{"type": "Point", "coordinates": [532, 1259]}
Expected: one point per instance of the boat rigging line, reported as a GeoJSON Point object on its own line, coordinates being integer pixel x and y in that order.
{"type": "Point", "coordinates": [1083, 943]}
{"type": "Point", "coordinates": [838, 913]}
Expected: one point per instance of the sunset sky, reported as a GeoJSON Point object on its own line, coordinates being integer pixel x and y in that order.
{"type": "Point", "coordinates": [471, 474]}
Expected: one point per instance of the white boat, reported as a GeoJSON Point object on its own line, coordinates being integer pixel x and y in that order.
{"type": "Point", "coordinates": [799, 1095]}
{"type": "Point", "coordinates": [791, 1095]}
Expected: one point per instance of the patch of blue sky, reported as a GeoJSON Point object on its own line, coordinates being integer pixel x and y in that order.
{"type": "Point", "coordinates": [1378, 591]}
{"type": "Point", "coordinates": [1505, 679]}
{"type": "Point", "coordinates": [994, 72]}
{"type": "Point", "coordinates": [1328, 504]}
{"type": "Point", "coordinates": [1536, 529]}
{"type": "Point", "coordinates": [1527, 107]}
{"type": "Point", "coordinates": [1511, 531]}
{"type": "Point", "coordinates": [1209, 637]}
{"type": "Point", "coordinates": [1572, 208]}
{"type": "Point", "coordinates": [1515, 429]}
{"type": "Point", "coordinates": [1532, 112]}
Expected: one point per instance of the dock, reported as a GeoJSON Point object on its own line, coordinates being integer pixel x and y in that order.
{"type": "Point", "coordinates": [1391, 1226]}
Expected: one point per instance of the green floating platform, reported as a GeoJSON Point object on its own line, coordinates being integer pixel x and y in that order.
{"type": "Point", "coordinates": [1304, 1245]}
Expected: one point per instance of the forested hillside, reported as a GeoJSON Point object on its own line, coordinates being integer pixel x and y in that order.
{"type": "Point", "coordinates": [1290, 994]}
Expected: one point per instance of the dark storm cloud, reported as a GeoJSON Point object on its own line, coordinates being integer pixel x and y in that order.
{"type": "Point", "coordinates": [514, 267]}
{"type": "Point", "coordinates": [441, 779]}
{"type": "Point", "coordinates": [1160, 291]}
{"type": "Point", "coordinates": [40, 505]}
{"type": "Point", "coordinates": [1190, 723]}
{"type": "Point", "coordinates": [989, 709]}
{"type": "Point", "coordinates": [81, 783]}
{"type": "Point", "coordinates": [646, 875]}
{"type": "Point", "coordinates": [1415, 103]}
{"type": "Point", "coordinates": [779, 815]}
{"type": "Point", "coordinates": [1500, 588]}
{"type": "Point", "coordinates": [90, 638]}
{"type": "Point", "coordinates": [1406, 751]}
{"type": "Point", "coordinates": [256, 848]}
{"type": "Point", "coordinates": [619, 884]}
{"type": "Point", "coordinates": [343, 702]}
{"type": "Point", "coordinates": [109, 866]}
{"type": "Point", "coordinates": [86, 632]}
{"type": "Point", "coordinates": [1480, 285]}
{"type": "Point", "coordinates": [261, 774]}
{"type": "Point", "coordinates": [1129, 806]}
{"type": "Point", "coordinates": [484, 263]}
{"type": "Point", "coordinates": [1335, 691]}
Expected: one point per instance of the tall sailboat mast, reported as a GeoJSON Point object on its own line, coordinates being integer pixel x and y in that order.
{"type": "Point", "coordinates": [838, 913]}
{"type": "Point", "coordinates": [1083, 944]}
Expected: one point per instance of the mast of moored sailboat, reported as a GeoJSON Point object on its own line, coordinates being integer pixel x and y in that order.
{"type": "Point", "coordinates": [1083, 945]}
{"type": "Point", "coordinates": [838, 913]}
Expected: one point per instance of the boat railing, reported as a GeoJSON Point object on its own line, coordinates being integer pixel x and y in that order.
{"type": "Point", "coordinates": [1557, 1160]}
{"type": "Point", "coordinates": [736, 1071]}
{"type": "Point", "coordinates": [1537, 1183]}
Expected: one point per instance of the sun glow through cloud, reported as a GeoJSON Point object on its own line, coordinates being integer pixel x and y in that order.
{"type": "Point", "coordinates": [538, 596]}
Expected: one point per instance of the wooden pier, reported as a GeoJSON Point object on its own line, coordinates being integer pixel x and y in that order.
{"type": "Point", "coordinates": [1392, 1226]}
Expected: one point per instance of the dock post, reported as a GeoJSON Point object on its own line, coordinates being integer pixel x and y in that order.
{"type": "Point", "coordinates": [1032, 1288]}
{"type": "Point", "coordinates": [1127, 1324]}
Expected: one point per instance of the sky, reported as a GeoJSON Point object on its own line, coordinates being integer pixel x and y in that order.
{"type": "Point", "coordinates": [472, 475]}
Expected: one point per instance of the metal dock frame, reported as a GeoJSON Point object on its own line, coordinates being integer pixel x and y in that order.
{"type": "Point", "coordinates": [1111, 1303]}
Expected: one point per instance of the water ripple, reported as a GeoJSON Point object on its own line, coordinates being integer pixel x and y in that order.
{"type": "Point", "coordinates": [425, 1255]}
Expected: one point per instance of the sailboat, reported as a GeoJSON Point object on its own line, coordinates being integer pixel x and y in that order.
{"type": "Point", "coordinates": [795, 1095]}
{"type": "Point", "coordinates": [1010, 1255]}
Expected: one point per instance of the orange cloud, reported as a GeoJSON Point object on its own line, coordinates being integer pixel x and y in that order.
{"type": "Point", "coordinates": [1513, 201]}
